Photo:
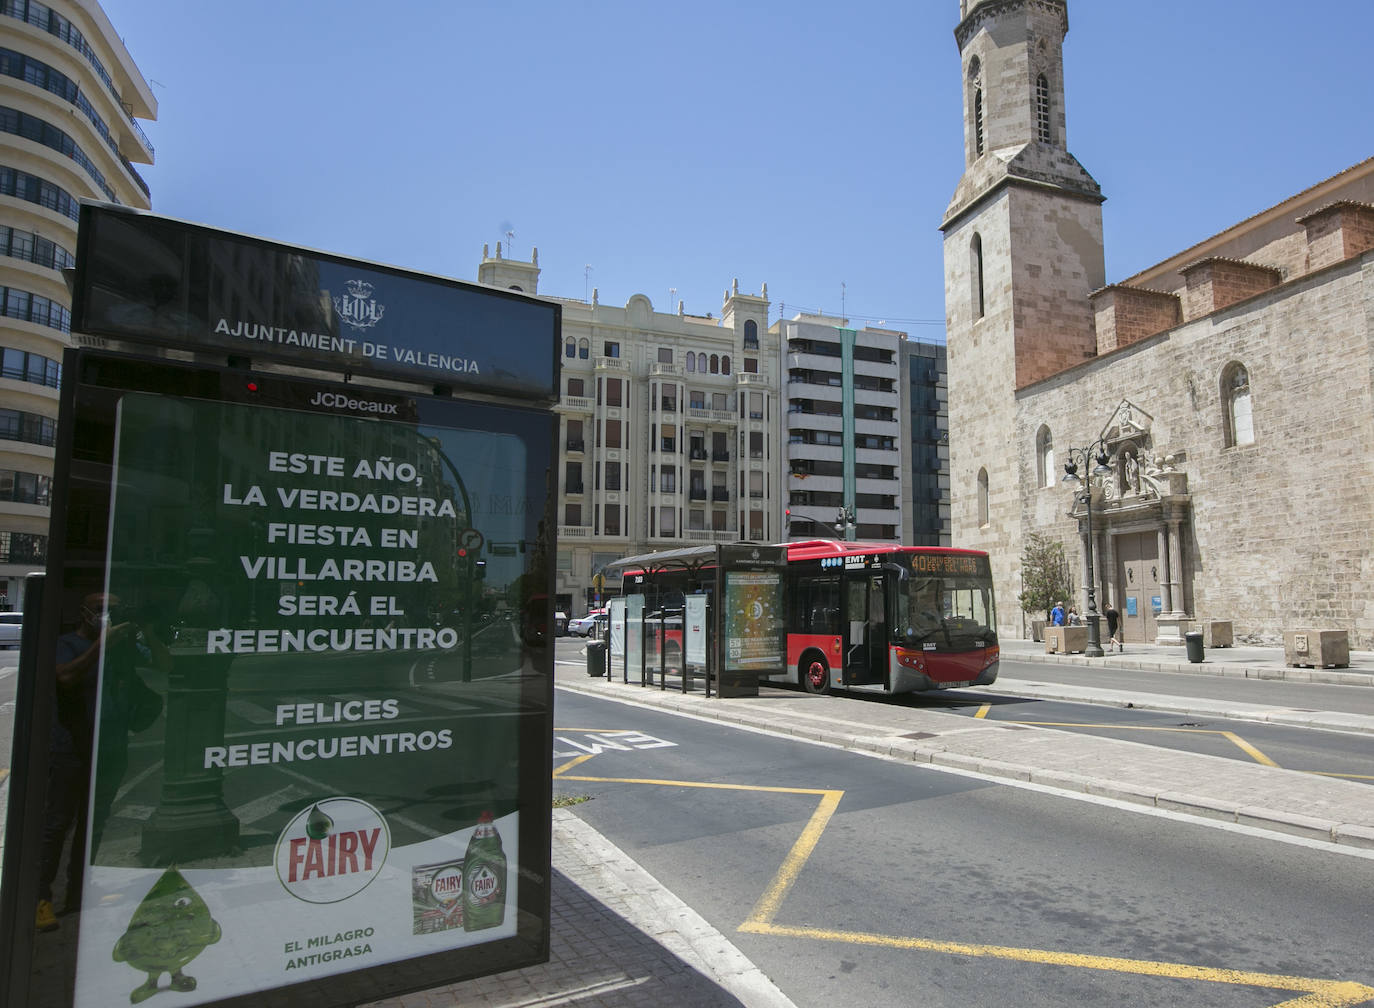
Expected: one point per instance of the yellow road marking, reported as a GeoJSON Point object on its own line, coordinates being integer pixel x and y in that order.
{"type": "Point", "coordinates": [1320, 993]}
{"type": "Point", "coordinates": [1316, 993]}
{"type": "Point", "coordinates": [1231, 737]}
{"type": "Point", "coordinates": [1248, 749]}
{"type": "Point", "coordinates": [983, 710]}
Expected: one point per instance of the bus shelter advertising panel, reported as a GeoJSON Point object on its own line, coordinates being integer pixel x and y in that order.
{"type": "Point", "coordinates": [305, 703]}
{"type": "Point", "coordinates": [754, 609]}
{"type": "Point", "coordinates": [337, 767]}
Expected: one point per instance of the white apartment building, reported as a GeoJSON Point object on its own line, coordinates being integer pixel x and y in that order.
{"type": "Point", "coordinates": [69, 97]}
{"type": "Point", "coordinates": [844, 430]}
{"type": "Point", "coordinates": [668, 428]}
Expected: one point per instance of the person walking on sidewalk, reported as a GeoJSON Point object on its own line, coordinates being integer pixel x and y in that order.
{"type": "Point", "coordinates": [1113, 623]}
{"type": "Point", "coordinates": [1057, 614]}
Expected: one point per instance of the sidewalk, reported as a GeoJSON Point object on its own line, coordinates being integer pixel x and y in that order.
{"type": "Point", "coordinates": [1244, 661]}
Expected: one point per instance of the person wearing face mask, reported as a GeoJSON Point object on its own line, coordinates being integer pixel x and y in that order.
{"type": "Point", "coordinates": [72, 754]}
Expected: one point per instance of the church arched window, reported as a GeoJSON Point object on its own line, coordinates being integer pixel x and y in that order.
{"type": "Point", "coordinates": [1237, 405]}
{"type": "Point", "coordinates": [975, 104]}
{"type": "Point", "coordinates": [976, 275]}
{"type": "Point", "coordinates": [1044, 457]}
{"type": "Point", "coordinates": [751, 334]}
{"type": "Point", "coordinates": [1042, 108]}
{"type": "Point", "coordinates": [984, 509]}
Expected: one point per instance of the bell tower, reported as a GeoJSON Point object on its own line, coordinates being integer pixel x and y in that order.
{"type": "Point", "coordinates": [1022, 251]}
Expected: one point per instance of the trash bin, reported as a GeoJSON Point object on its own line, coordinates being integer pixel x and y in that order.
{"type": "Point", "coordinates": [596, 658]}
{"type": "Point", "coordinates": [1194, 642]}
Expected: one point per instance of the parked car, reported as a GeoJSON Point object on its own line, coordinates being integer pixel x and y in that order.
{"type": "Point", "coordinates": [586, 626]}
{"type": "Point", "coordinates": [11, 625]}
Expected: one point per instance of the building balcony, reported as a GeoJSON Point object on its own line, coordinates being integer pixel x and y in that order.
{"type": "Point", "coordinates": [575, 404]}
{"type": "Point", "coordinates": [619, 364]}
{"type": "Point", "coordinates": [574, 532]}
{"type": "Point", "coordinates": [719, 494]}
{"type": "Point", "coordinates": [577, 446]}
{"type": "Point", "coordinates": [574, 489]}
{"type": "Point", "coordinates": [697, 494]}
{"type": "Point", "coordinates": [753, 380]}
{"type": "Point", "coordinates": [720, 456]}
{"type": "Point", "coordinates": [697, 454]}
{"type": "Point", "coordinates": [672, 370]}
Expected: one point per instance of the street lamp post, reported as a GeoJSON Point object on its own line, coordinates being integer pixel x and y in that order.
{"type": "Point", "coordinates": [844, 522]}
{"type": "Point", "coordinates": [1096, 452]}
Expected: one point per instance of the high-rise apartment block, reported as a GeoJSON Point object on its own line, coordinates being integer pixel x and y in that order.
{"type": "Point", "coordinates": [70, 96]}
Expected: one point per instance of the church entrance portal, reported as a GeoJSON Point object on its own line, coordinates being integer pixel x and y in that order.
{"type": "Point", "coordinates": [1138, 575]}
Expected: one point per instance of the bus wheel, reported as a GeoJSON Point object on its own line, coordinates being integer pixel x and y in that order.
{"type": "Point", "coordinates": [814, 674]}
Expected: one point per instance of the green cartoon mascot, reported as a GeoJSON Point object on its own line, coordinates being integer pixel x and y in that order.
{"type": "Point", "coordinates": [170, 928]}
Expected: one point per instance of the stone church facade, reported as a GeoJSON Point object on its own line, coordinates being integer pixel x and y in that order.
{"type": "Point", "coordinates": [1224, 396]}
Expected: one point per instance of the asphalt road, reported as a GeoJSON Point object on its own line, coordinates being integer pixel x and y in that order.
{"type": "Point", "coordinates": [854, 880]}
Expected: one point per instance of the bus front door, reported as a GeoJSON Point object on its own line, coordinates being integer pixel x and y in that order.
{"type": "Point", "coordinates": [865, 646]}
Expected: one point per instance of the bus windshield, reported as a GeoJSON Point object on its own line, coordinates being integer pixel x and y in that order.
{"type": "Point", "coordinates": [951, 611]}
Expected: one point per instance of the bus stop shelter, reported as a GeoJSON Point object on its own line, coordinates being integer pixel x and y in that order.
{"type": "Point", "coordinates": [719, 608]}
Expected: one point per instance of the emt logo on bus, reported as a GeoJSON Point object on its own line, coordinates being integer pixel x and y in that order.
{"type": "Point", "coordinates": [861, 560]}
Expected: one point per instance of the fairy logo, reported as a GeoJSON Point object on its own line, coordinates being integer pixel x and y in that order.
{"type": "Point", "coordinates": [332, 849]}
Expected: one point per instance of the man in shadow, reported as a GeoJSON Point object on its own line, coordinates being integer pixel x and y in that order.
{"type": "Point", "coordinates": [123, 703]}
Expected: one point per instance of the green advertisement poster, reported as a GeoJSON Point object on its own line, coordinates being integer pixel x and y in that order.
{"type": "Point", "coordinates": [754, 632]}
{"type": "Point", "coordinates": [308, 739]}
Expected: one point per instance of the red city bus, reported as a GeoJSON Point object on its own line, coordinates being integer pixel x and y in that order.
{"type": "Point", "coordinates": [888, 619]}
{"type": "Point", "coordinates": [863, 616]}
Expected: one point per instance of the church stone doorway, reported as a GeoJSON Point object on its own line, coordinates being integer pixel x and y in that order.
{"type": "Point", "coordinates": [1138, 573]}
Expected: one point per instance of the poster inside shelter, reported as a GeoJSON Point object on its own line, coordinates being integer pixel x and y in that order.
{"type": "Point", "coordinates": [331, 776]}
{"type": "Point", "coordinates": [754, 621]}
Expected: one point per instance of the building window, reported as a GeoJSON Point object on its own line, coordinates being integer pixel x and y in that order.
{"type": "Point", "coordinates": [1042, 109]}
{"type": "Point", "coordinates": [575, 387]}
{"type": "Point", "coordinates": [976, 274]}
{"type": "Point", "coordinates": [975, 103]}
{"type": "Point", "coordinates": [610, 522]}
{"type": "Point", "coordinates": [751, 365]}
{"type": "Point", "coordinates": [665, 355]}
{"type": "Point", "coordinates": [584, 350]}
{"type": "Point", "coordinates": [1235, 394]}
{"type": "Point", "coordinates": [983, 506]}
{"type": "Point", "coordinates": [570, 348]}
{"type": "Point", "coordinates": [1044, 457]}
{"type": "Point", "coordinates": [572, 514]}
{"type": "Point", "coordinates": [691, 362]}
{"type": "Point", "coordinates": [613, 392]}
{"type": "Point", "coordinates": [725, 364]}
{"type": "Point", "coordinates": [609, 349]}
{"type": "Point", "coordinates": [612, 433]}
{"type": "Point", "coordinates": [715, 364]}
{"type": "Point", "coordinates": [751, 335]}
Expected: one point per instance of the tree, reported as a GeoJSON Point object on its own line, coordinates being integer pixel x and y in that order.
{"type": "Point", "coordinates": [1044, 575]}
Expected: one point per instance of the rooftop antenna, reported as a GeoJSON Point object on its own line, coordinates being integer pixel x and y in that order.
{"type": "Point", "coordinates": [672, 296]}
{"type": "Point", "coordinates": [510, 244]}
{"type": "Point", "coordinates": [587, 282]}
{"type": "Point", "coordinates": [842, 294]}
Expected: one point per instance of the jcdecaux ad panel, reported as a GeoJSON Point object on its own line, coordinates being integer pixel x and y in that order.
{"type": "Point", "coordinates": [291, 700]}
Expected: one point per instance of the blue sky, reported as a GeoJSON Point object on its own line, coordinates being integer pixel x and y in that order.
{"type": "Point", "coordinates": [675, 147]}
